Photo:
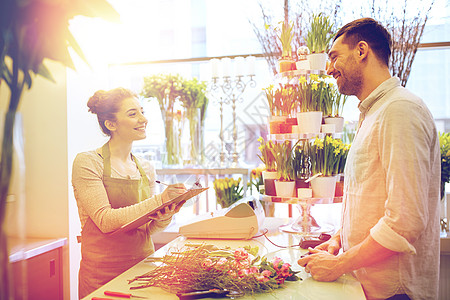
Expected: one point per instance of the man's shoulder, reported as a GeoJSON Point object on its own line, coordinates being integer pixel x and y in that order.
{"type": "Point", "coordinates": [402, 98]}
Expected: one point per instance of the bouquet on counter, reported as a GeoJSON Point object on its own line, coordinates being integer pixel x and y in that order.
{"type": "Point", "coordinates": [198, 267]}
{"type": "Point", "coordinates": [228, 190]}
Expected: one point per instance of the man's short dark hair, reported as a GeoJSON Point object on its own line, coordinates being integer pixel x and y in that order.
{"type": "Point", "coordinates": [370, 31]}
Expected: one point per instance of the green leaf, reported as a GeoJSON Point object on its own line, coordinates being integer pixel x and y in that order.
{"type": "Point", "coordinates": [74, 45]}
{"type": "Point", "coordinates": [44, 72]}
{"type": "Point", "coordinates": [96, 8]}
{"type": "Point", "coordinates": [27, 78]}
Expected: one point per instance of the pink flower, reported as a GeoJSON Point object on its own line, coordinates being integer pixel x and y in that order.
{"type": "Point", "coordinates": [266, 273]}
{"type": "Point", "coordinates": [262, 278]}
{"type": "Point", "coordinates": [253, 270]}
{"type": "Point", "coordinates": [240, 254]}
{"type": "Point", "coordinates": [243, 272]}
{"type": "Point", "coordinates": [221, 263]}
{"type": "Point", "coordinates": [207, 263]}
{"type": "Point", "coordinates": [285, 269]}
{"type": "Point", "coordinates": [232, 273]}
{"type": "Point", "coordinates": [276, 262]}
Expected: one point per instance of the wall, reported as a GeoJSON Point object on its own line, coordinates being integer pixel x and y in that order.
{"type": "Point", "coordinates": [83, 135]}
{"type": "Point", "coordinates": [44, 119]}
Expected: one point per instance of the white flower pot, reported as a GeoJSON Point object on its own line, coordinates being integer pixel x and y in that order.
{"type": "Point", "coordinates": [324, 186]}
{"type": "Point", "coordinates": [309, 122]}
{"type": "Point", "coordinates": [328, 128]}
{"type": "Point", "coordinates": [318, 61]}
{"type": "Point", "coordinates": [303, 65]}
{"type": "Point", "coordinates": [285, 188]}
{"type": "Point", "coordinates": [337, 121]}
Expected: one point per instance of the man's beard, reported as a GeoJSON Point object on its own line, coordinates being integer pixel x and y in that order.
{"type": "Point", "coordinates": [351, 81]}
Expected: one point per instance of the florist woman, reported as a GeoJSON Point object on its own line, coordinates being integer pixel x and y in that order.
{"type": "Point", "coordinates": [113, 187]}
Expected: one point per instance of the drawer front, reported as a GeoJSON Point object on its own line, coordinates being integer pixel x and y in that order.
{"type": "Point", "coordinates": [43, 278]}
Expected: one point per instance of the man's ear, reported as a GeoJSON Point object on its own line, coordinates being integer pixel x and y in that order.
{"type": "Point", "coordinates": [110, 125]}
{"type": "Point", "coordinates": [362, 49]}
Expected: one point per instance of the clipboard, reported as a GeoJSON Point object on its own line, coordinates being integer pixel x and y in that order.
{"type": "Point", "coordinates": [147, 217]}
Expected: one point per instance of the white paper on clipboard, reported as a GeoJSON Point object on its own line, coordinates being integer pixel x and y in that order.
{"type": "Point", "coordinates": [147, 217]}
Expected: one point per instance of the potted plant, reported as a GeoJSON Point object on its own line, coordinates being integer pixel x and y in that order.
{"type": "Point", "coordinates": [268, 159]}
{"type": "Point", "coordinates": [276, 102]}
{"type": "Point", "coordinates": [328, 157]}
{"type": "Point", "coordinates": [287, 107]}
{"type": "Point", "coordinates": [285, 34]}
{"type": "Point", "coordinates": [301, 164]}
{"type": "Point", "coordinates": [311, 98]}
{"type": "Point", "coordinates": [228, 190]}
{"type": "Point", "coordinates": [318, 39]}
{"type": "Point", "coordinates": [285, 184]}
{"type": "Point", "coordinates": [256, 178]}
{"type": "Point", "coordinates": [444, 142]}
{"type": "Point", "coordinates": [167, 90]}
{"type": "Point", "coordinates": [335, 107]}
{"type": "Point", "coordinates": [194, 99]}
{"type": "Point", "coordinates": [31, 33]}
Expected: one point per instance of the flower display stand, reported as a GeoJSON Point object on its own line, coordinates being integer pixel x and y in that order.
{"type": "Point", "coordinates": [305, 224]}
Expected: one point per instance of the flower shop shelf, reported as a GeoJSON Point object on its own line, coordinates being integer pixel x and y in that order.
{"type": "Point", "coordinates": [204, 175]}
{"type": "Point", "coordinates": [296, 200]}
{"type": "Point", "coordinates": [300, 136]}
{"type": "Point", "coordinates": [297, 73]}
{"type": "Point", "coordinates": [305, 224]}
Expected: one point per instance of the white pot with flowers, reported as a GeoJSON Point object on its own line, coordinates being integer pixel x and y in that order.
{"type": "Point", "coordinates": [333, 105]}
{"type": "Point", "coordinates": [328, 157]}
{"type": "Point", "coordinates": [270, 173]}
{"type": "Point", "coordinates": [285, 185]}
{"type": "Point", "coordinates": [317, 40]}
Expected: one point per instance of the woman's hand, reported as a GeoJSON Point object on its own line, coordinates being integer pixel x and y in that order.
{"type": "Point", "coordinates": [167, 212]}
{"type": "Point", "coordinates": [172, 191]}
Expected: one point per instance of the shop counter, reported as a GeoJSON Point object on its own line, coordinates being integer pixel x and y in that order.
{"type": "Point", "coordinates": [346, 287]}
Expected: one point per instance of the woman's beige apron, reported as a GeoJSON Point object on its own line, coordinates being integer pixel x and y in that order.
{"type": "Point", "coordinates": [104, 257]}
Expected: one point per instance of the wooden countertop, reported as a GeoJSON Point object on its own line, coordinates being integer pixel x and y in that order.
{"type": "Point", "coordinates": [20, 249]}
{"type": "Point", "coordinates": [346, 287]}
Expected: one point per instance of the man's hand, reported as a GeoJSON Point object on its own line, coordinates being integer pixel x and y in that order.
{"type": "Point", "coordinates": [322, 265]}
{"type": "Point", "coordinates": [332, 246]}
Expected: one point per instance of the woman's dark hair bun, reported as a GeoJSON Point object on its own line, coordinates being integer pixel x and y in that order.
{"type": "Point", "coordinates": [94, 101]}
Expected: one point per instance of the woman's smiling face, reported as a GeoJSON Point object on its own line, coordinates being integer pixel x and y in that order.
{"type": "Point", "coordinates": [130, 121]}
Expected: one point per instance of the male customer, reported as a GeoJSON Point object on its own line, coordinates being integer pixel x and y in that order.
{"type": "Point", "coordinates": [390, 224]}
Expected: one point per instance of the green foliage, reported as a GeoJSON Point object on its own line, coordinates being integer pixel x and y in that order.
{"type": "Point", "coordinates": [169, 89]}
{"type": "Point", "coordinates": [204, 267]}
{"type": "Point", "coordinates": [281, 100]}
{"type": "Point", "coordinates": [32, 31]}
{"type": "Point", "coordinates": [320, 34]}
{"type": "Point", "coordinates": [301, 161]}
{"type": "Point", "coordinates": [444, 142]}
{"type": "Point", "coordinates": [228, 190]}
{"type": "Point", "coordinates": [328, 156]}
{"type": "Point", "coordinates": [285, 34]}
{"type": "Point", "coordinates": [318, 93]}
{"type": "Point", "coordinates": [267, 154]}
{"type": "Point", "coordinates": [283, 157]}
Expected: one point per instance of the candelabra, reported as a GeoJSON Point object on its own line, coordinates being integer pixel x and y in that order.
{"type": "Point", "coordinates": [231, 89]}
